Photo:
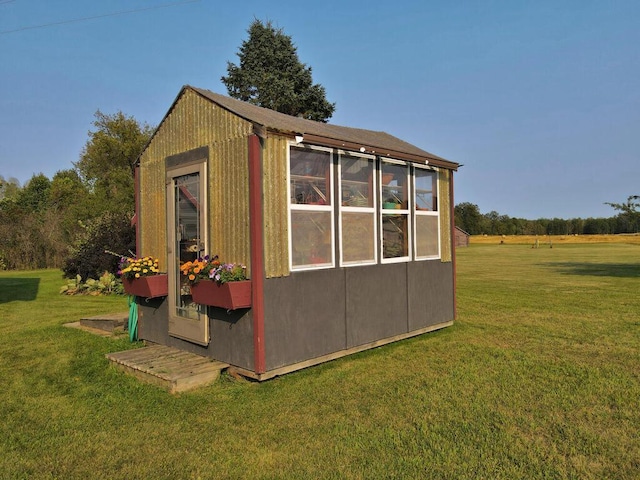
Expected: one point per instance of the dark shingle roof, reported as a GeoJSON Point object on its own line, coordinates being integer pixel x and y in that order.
{"type": "Point", "coordinates": [334, 135]}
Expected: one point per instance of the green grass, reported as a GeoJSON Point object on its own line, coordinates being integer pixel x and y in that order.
{"type": "Point", "coordinates": [538, 378]}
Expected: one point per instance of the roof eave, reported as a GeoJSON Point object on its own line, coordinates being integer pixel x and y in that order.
{"type": "Point", "coordinates": [432, 160]}
{"type": "Point", "coordinates": [262, 131]}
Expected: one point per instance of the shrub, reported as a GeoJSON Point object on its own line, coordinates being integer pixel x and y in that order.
{"type": "Point", "coordinates": [107, 284]}
{"type": "Point", "coordinates": [87, 256]}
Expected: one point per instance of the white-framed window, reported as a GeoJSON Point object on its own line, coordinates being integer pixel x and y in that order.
{"type": "Point", "coordinates": [426, 216]}
{"type": "Point", "coordinates": [395, 238]}
{"type": "Point", "coordinates": [311, 211]}
{"type": "Point", "coordinates": [357, 187]}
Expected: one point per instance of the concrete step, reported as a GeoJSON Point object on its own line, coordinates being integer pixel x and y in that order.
{"type": "Point", "coordinates": [108, 322]}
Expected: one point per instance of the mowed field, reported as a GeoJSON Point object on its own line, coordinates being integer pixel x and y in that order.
{"type": "Point", "coordinates": [549, 240]}
{"type": "Point", "coordinates": [539, 378]}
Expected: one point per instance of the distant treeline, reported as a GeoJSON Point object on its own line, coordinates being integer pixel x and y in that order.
{"type": "Point", "coordinates": [69, 221]}
{"type": "Point", "coordinates": [469, 219]}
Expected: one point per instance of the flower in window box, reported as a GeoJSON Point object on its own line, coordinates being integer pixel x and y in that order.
{"type": "Point", "coordinates": [131, 268]}
{"type": "Point", "coordinates": [141, 277]}
{"type": "Point", "coordinates": [228, 272]}
{"type": "Point", "coordinates": [210, 268]}
{"type": "Point", "coordinates": [218, 284]}
{"type": "Point", "coordinates": [200, 269]}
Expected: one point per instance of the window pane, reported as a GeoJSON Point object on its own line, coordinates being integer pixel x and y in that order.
{"type": "Point", "coordinates": [358, 237]}
{"type": "Point", "coordinates": [310, 176]}
{"type": "Point", "coordinates": [356, 181]}
{"type": "Point", "coordinates": [394, 186]}
{"type": "Point", "coordinates": [310, 238]}
{"type": "Point", "coordinates": [395, 237]}
{"type": "Point", "coordinates": [427, 235]}
{"type": "Point", "coordinates": [426, 191]}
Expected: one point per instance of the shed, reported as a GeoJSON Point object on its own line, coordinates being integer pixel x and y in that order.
{"type": "Point", "coordinates": [347, 234]}
{"type": "Point", "coordinates": [461, 237]}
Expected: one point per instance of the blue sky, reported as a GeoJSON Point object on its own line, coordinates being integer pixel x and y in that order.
{"type": "Point", "coordinates": [540, 101]}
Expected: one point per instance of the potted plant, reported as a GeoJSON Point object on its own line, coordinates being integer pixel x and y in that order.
{"type": "Point", "coordinates": [218, 284]}
{"type": "Point", "coordinates": [141, 277]}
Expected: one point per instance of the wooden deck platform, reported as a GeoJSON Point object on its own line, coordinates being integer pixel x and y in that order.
{"type": "Point", "coordinates": [170, 368]}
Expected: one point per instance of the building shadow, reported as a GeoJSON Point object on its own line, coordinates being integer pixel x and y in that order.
{"type": "Point", "coordinates": [627, 270]}
{"type": "Point", "coordinates": [20, 289]}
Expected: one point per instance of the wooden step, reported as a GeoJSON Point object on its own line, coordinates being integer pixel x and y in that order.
{"type": "Point", "coordinates": [172, 369]}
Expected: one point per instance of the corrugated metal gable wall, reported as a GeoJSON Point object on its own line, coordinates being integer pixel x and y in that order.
{"type": "Point", "coordinates": [195, 122]}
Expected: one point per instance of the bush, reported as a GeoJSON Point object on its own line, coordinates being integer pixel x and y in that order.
{"type": "Point", "coordinates": [87, 257]}
{"type": "Point", "coordinates": [107, 284]}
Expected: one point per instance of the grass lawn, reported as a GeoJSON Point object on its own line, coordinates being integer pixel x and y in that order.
{"type": "Point", "coordinates": [538, 378]}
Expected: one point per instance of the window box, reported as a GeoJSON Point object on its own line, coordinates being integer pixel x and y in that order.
{"type": "Point", "coordinates": [148, 287]}
{"type": "Point", "coordinates": [230, 295]}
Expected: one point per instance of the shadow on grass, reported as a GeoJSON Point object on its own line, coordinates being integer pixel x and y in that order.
{"type": "Point", "coordinates": [23, 289]}
{"type": "Point", "coordinates": [597, 269]}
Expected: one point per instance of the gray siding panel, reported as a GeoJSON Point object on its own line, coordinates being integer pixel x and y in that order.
{"type": "Point", "coordinates": [430, 298]}
{"type": "Point", "coordinates": [376, 303]}
{"type": "Point", "coordinates": [316, 313]}
{"type": "Point", "coordinates": [232, 337]}
{"type": "Point", "coordinates": [231, 333]}
{"type": "Point", "coordinates": [304, 316]}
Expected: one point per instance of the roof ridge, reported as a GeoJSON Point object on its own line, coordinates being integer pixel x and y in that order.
{"type": "Point", "coordinates": [208, 93]}
{"type": "Point", "coordinates": [374, 141]}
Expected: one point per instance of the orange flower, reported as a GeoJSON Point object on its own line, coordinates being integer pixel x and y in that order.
{"type": "Point", "coordinates": [192, 277]}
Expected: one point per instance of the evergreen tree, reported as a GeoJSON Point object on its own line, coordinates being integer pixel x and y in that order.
{"type": "Point", "coordinates": [271, 75]}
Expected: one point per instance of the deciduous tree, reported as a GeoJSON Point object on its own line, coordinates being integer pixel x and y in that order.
{"type": "Point", "coordinates": [9, 188]}
{"type": "Point", "coordinates": [107, 161]}
{"type": "Point", "coordinates": [629, 217]}
{"type": "Point", "coordinates": [34, 197]}
{"type": "Point", "coordinates": [468, 218]}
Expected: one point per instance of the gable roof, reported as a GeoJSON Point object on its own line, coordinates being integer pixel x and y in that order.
{"type": "Point", "coordinates": [319, 133]}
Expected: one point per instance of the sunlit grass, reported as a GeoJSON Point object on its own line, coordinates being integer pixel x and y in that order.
{"type": "Point", "coordinates": [538, 378]}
